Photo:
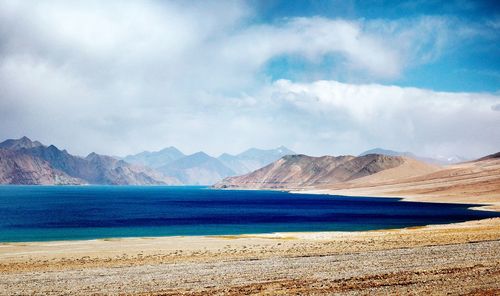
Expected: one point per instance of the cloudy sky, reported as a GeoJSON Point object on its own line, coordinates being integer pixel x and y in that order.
{"type": "Point", "coordinates": [327, 77]}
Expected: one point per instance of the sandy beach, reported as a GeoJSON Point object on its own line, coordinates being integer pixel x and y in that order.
{"type": "Point", "coordinates": [457, 258]}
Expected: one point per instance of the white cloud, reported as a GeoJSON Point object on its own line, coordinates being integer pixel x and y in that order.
{"type": "Point", "coordinates": [415, 119]}
{"type": "Point", "coordinates": [313, 38]}
{"type": "Point", "coordinates": [121, 76]}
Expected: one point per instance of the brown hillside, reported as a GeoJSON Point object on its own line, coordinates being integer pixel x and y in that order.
{"type": "Point", "coordinates": [297, 171]}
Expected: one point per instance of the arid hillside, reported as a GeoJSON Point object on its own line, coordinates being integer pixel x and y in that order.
{"type": "Point", "coordinates": [380, 175]}
{"type": "Point", "coordinates": [299, 171]}
{"type": "Point", "coordinates": [470, 182]}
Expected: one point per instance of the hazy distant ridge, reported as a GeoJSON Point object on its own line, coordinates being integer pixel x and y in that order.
{"type": "Point", "coordinates": [155, 159]}
{"type": "Point", "coordinates": [202, 169]}
{"type": "Point", "coordinates": [253, 159]}
{"type": "Point", "coordinates": [197, 169]}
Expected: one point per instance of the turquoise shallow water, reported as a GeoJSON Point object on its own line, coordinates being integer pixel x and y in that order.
{"type": "Point", "coordinates": [42, 213]}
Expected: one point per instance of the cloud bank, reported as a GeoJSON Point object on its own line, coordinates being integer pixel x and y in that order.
{"type": "Point", "coordinates": [119, 77]}
{"type": "Point", "coordinates": [433, 123]}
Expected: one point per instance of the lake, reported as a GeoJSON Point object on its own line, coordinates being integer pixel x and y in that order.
{"type": "Point", "coordinates": [44, 213]}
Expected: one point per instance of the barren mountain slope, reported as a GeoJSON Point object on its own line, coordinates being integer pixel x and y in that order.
{"type": "Point", "coordinates": [23, 161]}
{"type": "Point", "coordinates": [297, 171]}
{"type": "Point", "coordinates": [471, 182]}
{"type": "Point", "coordinates": [20, 168]}
{"type": "Point", "coordinates": [409, 168]}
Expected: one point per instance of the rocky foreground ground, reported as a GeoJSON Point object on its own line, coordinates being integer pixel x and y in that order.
{"type": "Point", "coordinates": [452, 259]}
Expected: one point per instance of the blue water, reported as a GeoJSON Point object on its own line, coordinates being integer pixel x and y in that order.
{"type": "Point", "coordinates": [42, 213]}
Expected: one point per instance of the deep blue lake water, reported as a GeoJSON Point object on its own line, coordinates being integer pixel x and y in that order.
{"type": "Point", "coordinates": [42, 213]}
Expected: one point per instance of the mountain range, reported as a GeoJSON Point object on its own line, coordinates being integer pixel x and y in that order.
{"type": "Point", "coordinates": [23, 161]}
{"type": "Point", "coordinates": [155, 159]}
{"type": "Point", "coordinates": [197, 169]}
{"type": "Point", "coordinates": [202, 169]}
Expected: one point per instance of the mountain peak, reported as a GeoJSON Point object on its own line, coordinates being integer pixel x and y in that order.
{"type": "Point", "coordinates": [155, 159]}
{"type": "Point", "coordinates": [253, 158]}
{"type": "Point", "coordinates": [169, 149]}
{"type": "Point", "coordinates": [15, 144]}
{"type": "Point", "coordinates": [388, 152]}
{"type": "Point", "coordinates": [199, 155]}
{"type": "Point", "coordinates": [256, 152]}
{"type": "Point", "coordinates": [198, 168]}
{"type": "Point", "coordinates": [488, 157]}
{"type": "Point", "coordinates": [92, 155]}
{"type": "Point", "coordinates": [284, 150]}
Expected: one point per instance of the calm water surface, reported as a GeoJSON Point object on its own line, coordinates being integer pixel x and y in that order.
{"type": "Point", "coordinates": [42, 213]}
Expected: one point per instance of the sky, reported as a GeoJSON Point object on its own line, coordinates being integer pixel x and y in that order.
{"type": "Point", "coordinates": [320, 77]}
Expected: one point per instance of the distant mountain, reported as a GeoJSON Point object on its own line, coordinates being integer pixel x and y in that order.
{"type": "Point", "coordinates": [202, 169]}
{"type": "Point", "coordinates": [488, 157]}
{"type": "Point", "coordinates": [297, 171]}
{"type": "Point", "coordinates": [438, 159]}
{"type": "Point", "coordinates": [235, 164]}
{"type": "Point", "coordinates": [24, 161]}
{"type": "Point", "coordinates": [387, 152]}
{"type": "Point", "coordinates": [197, 169]}
{"type": "Point", "coordinates": [253, 159]}
{"type": "Point", "coordinates": [108, 170]}
{"type": "Point", "coordinates": [23, 142]}
{"type": "Point", "coordinates": [17, 167]}
{"type": "Point", "coordinates": [155, 159]}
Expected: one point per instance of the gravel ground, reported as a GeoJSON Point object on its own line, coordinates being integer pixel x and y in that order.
{"type": "Point", "coordinates": [449, 269]}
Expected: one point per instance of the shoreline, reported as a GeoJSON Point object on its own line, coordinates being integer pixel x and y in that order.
{"type": "Point", "coordinates": [447, 257]}
{"type": "Point", "coordinates": [178, 240]}
{"type": "Point", "coordinates": [491, 206]}
{"type": "Point", "coordinates": [262, 235]}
